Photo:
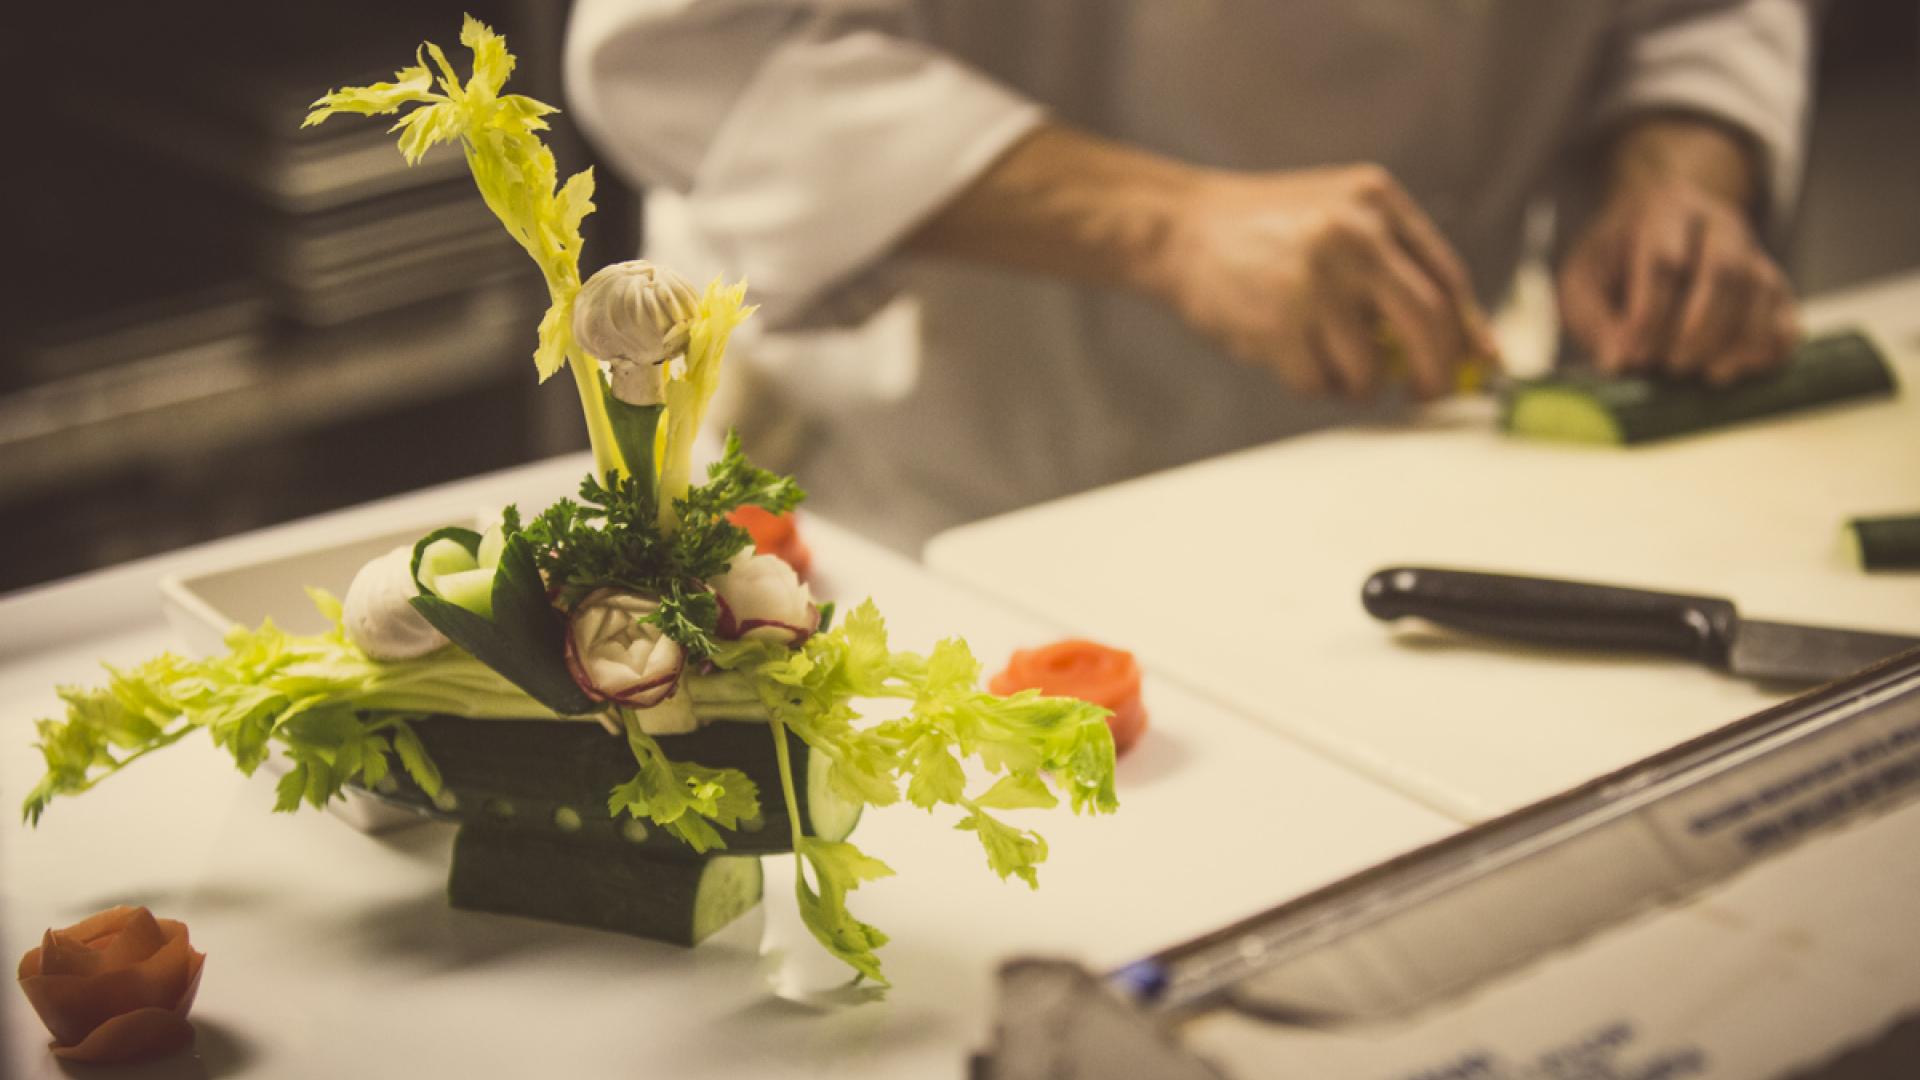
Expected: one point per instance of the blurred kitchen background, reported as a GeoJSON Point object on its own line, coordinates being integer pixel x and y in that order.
{"type": "Point", "coordinates": [215, 320]}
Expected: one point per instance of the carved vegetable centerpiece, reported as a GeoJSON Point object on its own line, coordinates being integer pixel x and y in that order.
{"type": "Point", "coordinates": [619, 699]}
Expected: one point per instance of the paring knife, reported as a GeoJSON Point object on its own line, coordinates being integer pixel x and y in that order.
{"type": "Point", "coordinates": [1570, 613]}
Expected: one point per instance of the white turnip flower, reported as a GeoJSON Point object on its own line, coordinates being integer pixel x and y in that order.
{"type": "Point", "coordinates": [377, 615]}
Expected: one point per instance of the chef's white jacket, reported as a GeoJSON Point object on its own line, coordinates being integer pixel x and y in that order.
{"type": "Point", "coordinates": [796, 142]}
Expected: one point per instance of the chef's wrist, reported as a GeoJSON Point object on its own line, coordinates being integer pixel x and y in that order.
{"type": "Point", "coordinates": [1697, 154]}
{"type": "Point", "coordinates": [1068, 204]}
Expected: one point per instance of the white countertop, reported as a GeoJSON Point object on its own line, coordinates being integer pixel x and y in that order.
{"type": "Point", "coordinates": [332, 953]}
{"type": "Point", "coordinates": [1242, 574]}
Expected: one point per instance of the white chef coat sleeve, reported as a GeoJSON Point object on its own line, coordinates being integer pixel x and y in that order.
{"type": "Point", "coordinates": [808, 138]}
{"type": "Point", "coordinates": [1746, 63]}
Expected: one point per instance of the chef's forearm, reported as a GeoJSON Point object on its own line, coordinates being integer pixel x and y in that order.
{"type": "Point", "coordinates": [1695, 151]}
{"type": "Point", "coordinates": [1065, 204]}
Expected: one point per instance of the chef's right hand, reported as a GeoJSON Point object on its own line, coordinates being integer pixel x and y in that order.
{"type": "Point", "coordinates": [1322, 275]}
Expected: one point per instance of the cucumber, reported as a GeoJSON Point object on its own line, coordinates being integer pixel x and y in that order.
{"type": "Point", "coordinates": [829, 816]}
{"type": "Point", "coordinates": [676, 901]}
{"type": "Point", "coordinates": [724, 695]}
{"type": "Point", "coordinates": [1586, 408]}
{"type": "Point", "coordinates": [729, 888]}
{"type": "Point", "coordinates": [442, 557]}
{"type": "Point", "coordinates": [471, 589]}
{"type": "Point", "coordinates": [546, 778]}
{"type": "Point", "coordinates": [1887, 543]}
{"type": "Point", "coordinates": [492, 542]}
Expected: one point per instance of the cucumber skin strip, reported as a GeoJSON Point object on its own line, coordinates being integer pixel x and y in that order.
{"type": "Point", "coordinates": [633, 428]}
{"type": "Point", "coordinates": [1886, 543]}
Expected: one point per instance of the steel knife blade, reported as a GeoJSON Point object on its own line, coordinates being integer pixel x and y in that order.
{"type": "Point", "coordinates": [1706, 629]}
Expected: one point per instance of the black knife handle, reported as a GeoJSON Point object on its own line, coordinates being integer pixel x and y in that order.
{"type": "Point", "coordinates": [1556, 612]}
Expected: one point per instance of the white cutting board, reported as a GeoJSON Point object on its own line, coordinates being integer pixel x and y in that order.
{"type": "Point", "coordinates": [1241, 576]}
{"type": "Point", "coordinates": [334, 954]}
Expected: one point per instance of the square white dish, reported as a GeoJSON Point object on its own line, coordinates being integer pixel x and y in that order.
{"type": "Point", "coordinates": [201, 607]}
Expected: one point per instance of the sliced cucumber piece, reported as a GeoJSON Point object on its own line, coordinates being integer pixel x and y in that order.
{"type": "Point", "coordinates": [491, 543]}
{"type": "Point", "coordinates": [677, 901]}
{"type": "Point", "coordinates": [442, 557]}
{"type": "Point", "coordinates": [830, 816]}
{"type": "Point", "coordinates": [1562, 413]}
{"type": "Point", "coordinates": [1887, 543]}
{"type": "Point", "coordinates": [1585, 408]}
{"type": "Point", "coordinates": [729, 888]}
{"type": "Point", "coordinates": [471, 589]}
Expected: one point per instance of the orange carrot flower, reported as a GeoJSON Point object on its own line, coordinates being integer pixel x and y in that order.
{"type": "Point", "coordinates": [1082, 669]}
{"type": "Point", "coordinates": [115, 986]}
{"type": "Point", "coordinates": [775, 534]}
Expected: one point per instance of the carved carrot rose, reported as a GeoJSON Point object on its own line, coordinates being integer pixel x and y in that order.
{"type": "Point", "coordinates": [115, 986]}
{"type": "Point", "coordinates": [775, 534]}
{"type": "Point", "coordinates": [1088, 670]}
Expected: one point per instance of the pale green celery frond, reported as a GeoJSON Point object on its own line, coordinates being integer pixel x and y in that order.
{"type": "Point", "coordinates": [721, 309]}
{"type": "Point", "coordinates": [556, 339]}
{"type": "Point", "coordinates": [410, 85]}
{"type": "Point", "coordinates": [492, 63]}
{"type": "Point", "coordinates": [449, 80]}
{"type": "Point", "coordinates": [516, 176]}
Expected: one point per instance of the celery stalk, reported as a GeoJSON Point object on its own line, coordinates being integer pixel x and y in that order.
{"type": "Point", "coordinates": [516, 176]}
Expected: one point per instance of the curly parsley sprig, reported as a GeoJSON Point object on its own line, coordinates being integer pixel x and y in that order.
{"type": "Point", "coordinates": [611, 537]}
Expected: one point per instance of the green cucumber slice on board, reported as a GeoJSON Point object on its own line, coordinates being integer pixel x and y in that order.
{"type": "Point", "coordinates": [676, 901]}
{"type": "Point", "coordinates": [551, 778]}
{"type": "Point", "coordinates": [1586, 408]}
{"type": "Point", "coordinates": [1887, 543]}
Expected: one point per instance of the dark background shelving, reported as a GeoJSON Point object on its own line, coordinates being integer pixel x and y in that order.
{"type": "Point", "coordinates": [213, 321]}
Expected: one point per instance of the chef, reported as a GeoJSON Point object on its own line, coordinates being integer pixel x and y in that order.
{"type": "Point", "coordinates": [1011, 249]}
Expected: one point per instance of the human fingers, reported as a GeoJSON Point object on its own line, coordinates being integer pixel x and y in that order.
{"type": "Point", "coordinates": [1719, 294]}
{"type": "Point", "coordinates": [1346, 350]}
{"type": "Point", "coordinates": [1420, 319]}
{"type": "Point", "coordinates": [1283, 346]}
{"type": "Point", "coordinates": [1787, 329]}
{"type": "Point", "coordinates": [1301, 370]}
{"type": "Point", "coordinates": [1659, 263]}
{"type": "Point", "coordinates": [1424, 241]}
{"type": "Point", "coordinates": [1768, 330]}
{"type": "Point", "coordinates": [1587, 286]}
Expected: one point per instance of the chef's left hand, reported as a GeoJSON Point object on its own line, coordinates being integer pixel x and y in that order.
{"type": "Point", "coordinates": [1670, 279]}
